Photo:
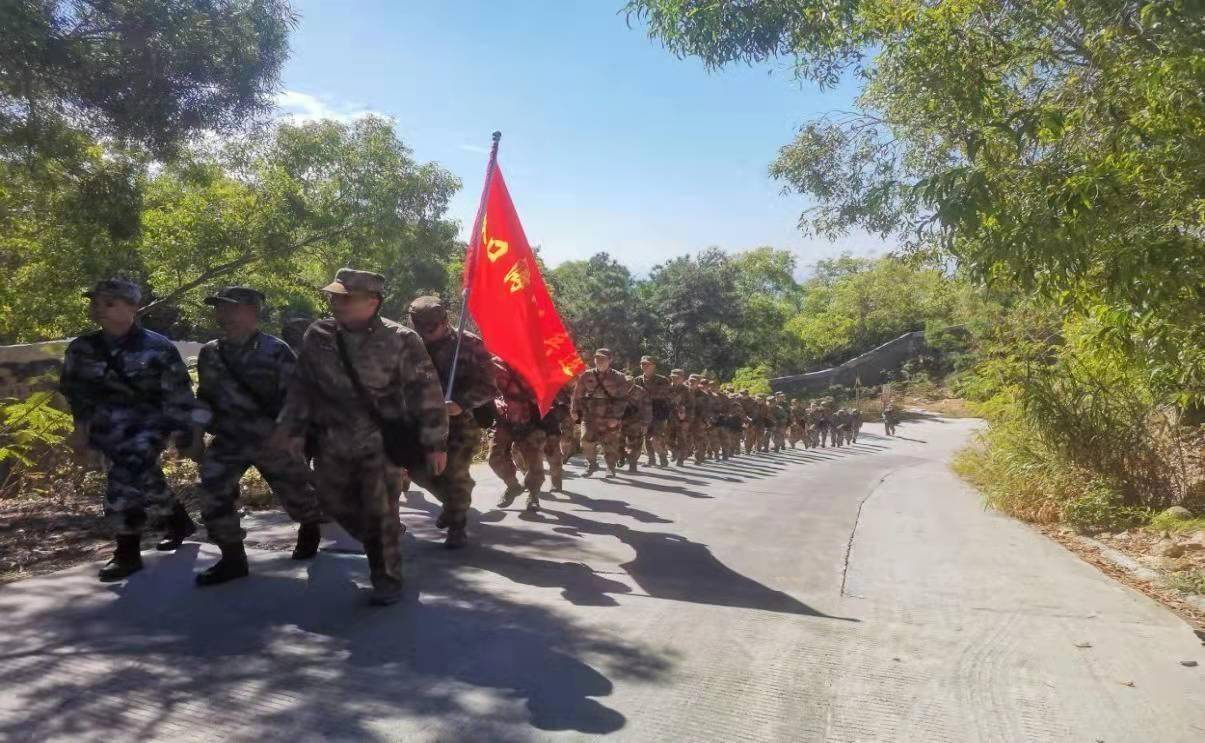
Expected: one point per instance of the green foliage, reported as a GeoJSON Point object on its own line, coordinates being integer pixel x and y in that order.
{"type": "Point", "coordinates": [1051, 147]}
{"type": "Point", "coordinates": [755, 379]}
{"type": "Point", "coordinates": [29, 424]}
{"type": "Point", "coordinates": [1190, 581]}
{"type": "Point", "coordinates": [602, 306]}
{"type": "Point", "coordinates": [1164, 522]}
{"type": "Point", "coordinates": [151, 72]}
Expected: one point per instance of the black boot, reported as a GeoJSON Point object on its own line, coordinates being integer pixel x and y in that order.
{"type": "Point", "coordinates": [127, 559]}
{"type": "Point", "coordinates": [180, 526]}
{"type": "Point", "coordinates": [632, 466]}
{"type": "Point", "coordinates": [232, 565]}
{"type": "Point", "coordinates": [308, 538]}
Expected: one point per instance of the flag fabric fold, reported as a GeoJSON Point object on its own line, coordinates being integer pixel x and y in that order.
{"type": "Point", "coordinates": [510, 302]}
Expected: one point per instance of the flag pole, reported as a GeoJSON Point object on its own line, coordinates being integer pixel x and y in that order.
{"type": "Point", "coordinates": [473, 236]}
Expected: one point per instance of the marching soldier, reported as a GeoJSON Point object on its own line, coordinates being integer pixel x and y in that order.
{"type": "Point", "coordinates": [473, 395]}
{"type": "Point", "coordinates": [715, 443]}
{"type": "Point", "coordinates": [890, 418]}
{"type": "Point", "coordinates": [518, 426]}
{"type": "Point", "coordinates": [571, 442]}
{"type": "Point", "coordinates": [599, 400]}
{"type": "Point", "coordinates": [798, 426]}
{"type": "Point", "coordinates": [840, 427]}
{"type": "Point", "coordinates": [553, 423]}
{"type": "Point", "coordinates": [637, 419]}
{"type": "Point", "coordinates": [701, 408]}
{"type": "Point", "coordinates": [680, 416]}
{"type": "Point", "coordinates": [782, 420]}
{"type": "Point", "coordinates": [243, 378]}
{"type": "Point", "coordinates": [358, 376]}
{"type": "Point", "coordinates": [855, 426]}
{"type": "Point", "coordinates": [129, 392]}
{"type": "Point", "coordinates": [660, 394]}
{"type": "Point", "coordinates": [749, 411]}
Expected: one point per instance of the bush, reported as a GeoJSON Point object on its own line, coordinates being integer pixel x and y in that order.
{"type": "Point", "coordinates": [32, 432]}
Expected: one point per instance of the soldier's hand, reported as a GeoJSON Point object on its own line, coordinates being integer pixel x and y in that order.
{"type": "Point", "coordinates": [454, 408]}
{"type": "Point", "coordinates": [78, 438]}
{"type": "Point", "coordinates": [437, 461]}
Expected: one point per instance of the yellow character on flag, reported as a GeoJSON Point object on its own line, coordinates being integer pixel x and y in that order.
{"type": "Point", "coordinates": [519, 276]}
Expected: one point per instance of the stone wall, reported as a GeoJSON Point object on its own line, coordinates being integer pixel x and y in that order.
{"type": "Point", "coordinates": [871, 368]}
{"type": "Point", "coordinates": [34, 366]}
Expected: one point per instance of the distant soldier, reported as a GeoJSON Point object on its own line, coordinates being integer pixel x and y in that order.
{"type": "Point", "coordinates": [599, 400]}
{"type": "Point", "coordinates": [660, 393]}
{"type": "Point", "coordinates": [734, 424]}
{"type": "Point", "coordinates": [824, 423]}
{"type": "Point", "coordinates": [798, 425]}
{"type": "Point", "coordinates": [749, 410]}
{"type": "Point", "coordinates": [571, 442]}
{"type": "Point", "coordinates": [678, 428]}
{"type": "Point", "coordinates": [637, 418]}
{"type": "Point", "coordinates": [129, 392]}
{"type": "Point", "coordinates": [357, 375]}
{"type": "Point", "coordinates": [840, 427]}
{"type": "Point", "coordinates": [891, 416]}
{"type": "Point", "coordinates": [472, 405]}
{"type": "Point", "coordinates": [553, 423]}
{"type": "Point", "coordinates": [855, 423]}
{"type": "Point", "coordinates": [782, 420]}
{"type": "Point", "coordinates": [293, 330]}
{"type": "Point", "coordinates": [715, 430]}
{"type": "Point", "coordinates": [243, 378]}
{"type": "Point", "coordinates": [701, 406]}
{"type": "Point", "coordinates": [518, 426]}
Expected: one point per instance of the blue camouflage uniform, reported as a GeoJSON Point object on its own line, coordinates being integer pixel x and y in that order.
{"type": "Point", "coordinates": [243, 387]}
{"type": "Point", "coordinates": [133, 393]}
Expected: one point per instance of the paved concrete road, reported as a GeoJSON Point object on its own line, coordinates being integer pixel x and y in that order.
{"type": "Point", "coordinates": [858, 595]}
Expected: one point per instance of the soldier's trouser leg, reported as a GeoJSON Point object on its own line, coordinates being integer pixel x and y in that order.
{"type": "Point", "coordinates": [292, 483]}
{"type": "Point", "coordinates": [611, 441]}
{"type": "Point", "coordinates": [552, 452]}
{"type": "Point", "coordinates": [454, 488]}
{"type": "Point", "coordinates": [501, 460]}
{"type": "Point", "coordinates": [750, 439]}
{"type": "Point", "coordinates": [715, 440]}
{"type": "Point", "coordinates": [655, 446]}
{"type": "Point", "coordinates": [698, 435]}
{"type": "Point", "coordinates": [633, 443]}
{"type": "Point", "coordinates": [780, 436]}
{"type": "Point", "coordinates": [531, 445]}
{"type": "Point", "coordinates": [361, 495]}
{"type": "Point", "coordinates": [222, 468]}
{"type": "Point", "coordinates": [604, 432]}
{"type": "Point", "coordinates": [136, 489]}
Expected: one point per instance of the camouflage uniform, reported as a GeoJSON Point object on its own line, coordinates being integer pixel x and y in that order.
{"type": "Point", "coordinates": [782, 421]}
{"type": "Point", "coordinates": [715, 418]}
{"type": "Point", "coordinates": [681, 412]}
{"type": "Point", "coordinates": [734, 422]}
{"type": "Point", "coordinates": [357, 484]}
{"type": "Point", "coordinates": [824, 423]}
{"type": "Point", "coordinates": [890, 418]}
{"type": "Point", "coordinates": [855, 423]}
{"type": "Point", "coordinates": [132, 393]}
{"type": "Point", "coordinates": [241, 421]}
{"type": "Point", "coordinates": [798, 425]}
{"type": "Point", "coordinates": [598, 401]}
{"type": "Point", "coordinates": [517, 427]}
{"type": "Point", "coordinates": [473, 388]}
{"type": "Point", "coordinates": [701, 407]}
{"type": "Point", "coordinates": [749, 411]}
{"type": "Point", "coordinates": [637, 419]}
{"type": "Point", "coordinates": [553, 423]}
{"type": "Point", "coordinates": [660, 393]}
{"type": "Point", "coordinates": [840, 427]}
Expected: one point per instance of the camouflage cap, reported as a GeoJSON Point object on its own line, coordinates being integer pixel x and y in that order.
{"type": "Point", "coordinates": [677, 373]}
{"type": "Point", "coordinates": [349, 280]}
{"type": "Point", "coordinates": [428, 305]}
{"type": "Point", "coordinates": [647, 360]}
{"type": "Point", "coordinates": [603, 352]}
{"type": "Point", "coordinates": [119, 288]}
{"type": "Point", "coordinates": [694, 377]}
{"type": "Point", "coordinates": [236, 295]}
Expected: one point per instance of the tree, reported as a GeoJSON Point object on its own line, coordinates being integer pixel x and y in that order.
{"type": "Point", "coordinates": [601, 304]}
{"type": "Point", "coordinates": [145, 72]}
{"type": "Point", "coordinates": [1051, 146]}
{"type": "Point", "coordinates": [283, 211]}
{"type": "Point", "coordinates": [698, 308]}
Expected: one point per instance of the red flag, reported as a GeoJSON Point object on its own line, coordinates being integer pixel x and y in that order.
{"type": "Point", "coordinates": [510, 302]}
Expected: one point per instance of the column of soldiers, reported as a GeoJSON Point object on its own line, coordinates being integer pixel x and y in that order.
{"type": "Point", "coordinates": [340, 424]}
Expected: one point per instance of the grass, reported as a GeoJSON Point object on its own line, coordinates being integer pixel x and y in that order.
{"type": "Point", "coordinates": [1171, 524]}
{"type": "Point", "coordinates": [1191, 581]}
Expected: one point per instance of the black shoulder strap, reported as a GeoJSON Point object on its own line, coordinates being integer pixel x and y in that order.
{"type": "Point", "coordinates": [601, 386]}
{"type": "Point", "coordinates": [352, 374]}
{"type": "Point", "coordinates": [100, 346]}
{"type": "Point", "coordinates": [238, 378]}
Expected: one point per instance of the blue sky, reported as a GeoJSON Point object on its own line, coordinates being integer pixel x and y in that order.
{"type": "Point", "coordinates": [610, 143]}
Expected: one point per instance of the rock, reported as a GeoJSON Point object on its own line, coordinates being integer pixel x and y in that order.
{"type": "Point", "coordinates": [1193, 546]}
{"type": "Point", "coordinates": [1179, 513]}
{"type": "Point", "coordinates": [1171, 549]}
{"type": "Point", "coordinates": [1188, 663]}
{"type": "Point", "coordinates": [1169, 564]}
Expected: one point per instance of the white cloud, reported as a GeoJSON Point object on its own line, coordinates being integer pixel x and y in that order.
{"type": "Point", "coordinates": [298, 108]}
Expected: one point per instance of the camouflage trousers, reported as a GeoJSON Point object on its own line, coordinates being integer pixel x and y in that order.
{"type": "Point", "coordinates": [780, 437]}
{"type": "Point", "coordinates": [657, 441]}
{"type": "Point", "coordinates": [753, 434]}
{"type": "Point", "coordinates": [136, 488]}
{"type": "Point", "coordinates": [226, 459]}
{"type": "Point", "coordinates": [605, 432]}
{"type": "Point", "coordinates": [841, 436]}
{"type": "Point", "coordinates": [715, 440]}
{"type": "Point", "coordinates": [570, 441]}
{"type": "Point", "coordinates": [699, 440]}
{"type": "Point", "coordinates": [361, 494]}
{"type": "Point", "coordinates": [529, 442]}
{"type": "Point", "coordinates": [454, 487]}
{"type": "Point", "coordinates": [795, 434]}
{"type": "Point", "coordinates": [678, 439]}
{"type": "Point", "coordinates": [632, 440]}
{"type": "Point", "coordinates": [732, 441]}
{"type": "Point", "coordinates": [822, 433]}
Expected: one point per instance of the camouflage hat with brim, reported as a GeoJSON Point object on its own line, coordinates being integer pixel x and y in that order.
{"type": "Point", "coordinates": [603, 353]}
{"type": "Point", "coordinates": [694, 377]}
{"type": "Point", "coordinates": [351, 281]}
{"type": "Point", "coordinates": [647, 360]}
{"type": "Point", "coordinates": [236, 295]}
{"type": "Point", "coordinates": [118, 288]}
{"type": "Point", "coordinates": [677, 373]}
